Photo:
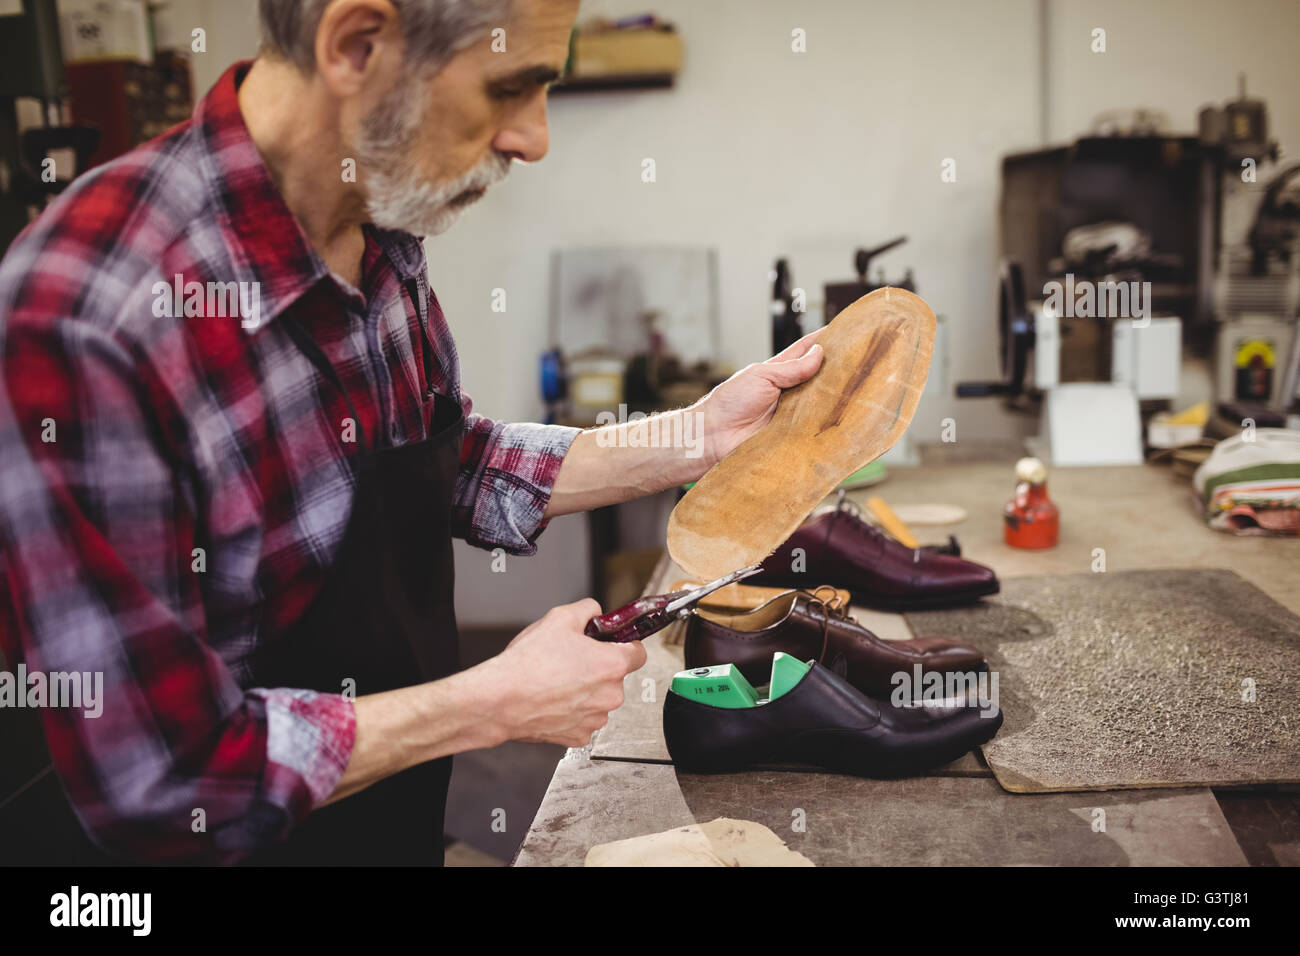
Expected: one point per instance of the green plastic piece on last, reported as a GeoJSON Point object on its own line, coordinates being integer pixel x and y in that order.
{"type": "Point", "coordinates": [787, 671]}
{"type": "Point", "coordinates": [722, 685]}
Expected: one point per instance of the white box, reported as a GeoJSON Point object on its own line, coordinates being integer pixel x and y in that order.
{"type": "Point", "coordinates": [1148, 357]}
{"type": "Point", "coordinates": [1092, 423]}
{"type": "Point", "coordinates": [96, 30]}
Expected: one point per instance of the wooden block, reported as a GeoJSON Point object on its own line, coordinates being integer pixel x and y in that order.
{"type": "Point", "coordinates": [892, 523]}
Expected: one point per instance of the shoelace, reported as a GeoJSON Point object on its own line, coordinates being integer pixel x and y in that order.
{"type": "Point", "coordinates": [832, 605]}
{"type": "Point", "coordinates": [844, 505]}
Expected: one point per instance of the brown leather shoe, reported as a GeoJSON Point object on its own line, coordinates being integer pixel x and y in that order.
{"type": "Point", "coordinates": [811, 627]}
{"type": "Point", "coordinates": [840, 548]}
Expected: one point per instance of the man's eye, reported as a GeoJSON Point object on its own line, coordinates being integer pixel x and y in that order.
{"type": "Point", "coordinates": [508, 92]}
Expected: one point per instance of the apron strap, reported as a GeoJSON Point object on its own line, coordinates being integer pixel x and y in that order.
{"type": "Point", "coordinates": [426, 347]}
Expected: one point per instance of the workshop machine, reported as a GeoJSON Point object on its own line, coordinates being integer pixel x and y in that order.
{"type": "Point", "coordinates": [1099, 265]}
{"type": "Point", "coordinates": [840, 295]}
{"type": "Point", "coordinates": [787, 327]}
{"type": "Point", "coordinates": [1252, 247]}
{"type": "Point", "coordinates": [1205, 228]}
{"type": "Point", "coordinates": [1090, 373]}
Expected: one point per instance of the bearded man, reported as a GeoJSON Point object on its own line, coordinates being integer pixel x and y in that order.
{"type": "Point", "coordinates": [244, 521]}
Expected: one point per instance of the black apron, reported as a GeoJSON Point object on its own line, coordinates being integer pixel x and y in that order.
{"type": "Point", "coordinates": [383, 619]}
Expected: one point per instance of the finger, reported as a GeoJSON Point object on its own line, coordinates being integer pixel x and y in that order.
{"type": "Point", "coordinates": [794, 371]}
{"type": "Point", "coordinates": [634, 656]}
{"type": "Point", "coordinates": [580, 611]}
{"type": "Point", "coordinates": [797, 348]}
{"type": "Point", "coordinates": [617, 659]}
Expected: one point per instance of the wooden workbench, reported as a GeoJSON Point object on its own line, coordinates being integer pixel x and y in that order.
{"type": "Point", "coordinates": [624, 785]}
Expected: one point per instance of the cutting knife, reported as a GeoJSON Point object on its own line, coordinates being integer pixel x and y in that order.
{"type": "Point", "coordinates": [649, 615]}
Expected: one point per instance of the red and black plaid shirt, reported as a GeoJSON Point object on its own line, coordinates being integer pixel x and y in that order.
{"type": "Point", "coordinates": [172, 489]}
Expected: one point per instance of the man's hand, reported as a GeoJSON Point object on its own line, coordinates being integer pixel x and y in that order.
{"type": "Point", "coordinates": [552, 683]}
{"type": "Point", "coordinates": [557, 685]}
{"type": "Point", "coordinates": [618, 463]}
{"type": "Point", "coordinates": [744, 403]}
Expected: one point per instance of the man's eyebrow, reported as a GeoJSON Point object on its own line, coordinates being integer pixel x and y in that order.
{"type": "Point", "coordinates": [539, 74]}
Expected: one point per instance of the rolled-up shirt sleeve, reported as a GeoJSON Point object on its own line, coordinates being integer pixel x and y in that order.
{"type": "Point", "coordinates": [175, 761]}
{"type": "Point", "coordinates": [507, 474]}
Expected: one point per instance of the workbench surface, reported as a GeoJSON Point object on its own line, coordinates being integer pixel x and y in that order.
{"type": "Point", "coordinates": [624, 785]}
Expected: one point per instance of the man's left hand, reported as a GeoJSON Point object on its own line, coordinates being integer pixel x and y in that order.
{"type": "Point", "coordinates": [744, 403]}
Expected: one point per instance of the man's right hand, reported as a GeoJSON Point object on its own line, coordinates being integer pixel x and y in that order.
{"type": "Point", "coordinates": [557, 685]}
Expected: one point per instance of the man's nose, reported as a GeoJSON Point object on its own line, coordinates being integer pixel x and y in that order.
{"type": "Point", "coordinates": [525, 136]}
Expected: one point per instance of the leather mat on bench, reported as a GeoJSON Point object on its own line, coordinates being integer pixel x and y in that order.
{"type": "Point", "coordinates": [1131, 679]}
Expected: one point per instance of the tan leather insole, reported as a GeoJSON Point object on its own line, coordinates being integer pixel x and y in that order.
{"type": "Point", "coordinates": [851, 412]}
{"type": "Point", "coordinates": [744, 597]}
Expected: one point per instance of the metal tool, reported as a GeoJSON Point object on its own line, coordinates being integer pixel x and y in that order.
{"type": "Point", "coordinates": [649, 615]}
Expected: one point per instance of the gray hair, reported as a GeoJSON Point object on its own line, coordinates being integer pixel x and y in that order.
{"type": "Point", "coordinates": [435, 30]}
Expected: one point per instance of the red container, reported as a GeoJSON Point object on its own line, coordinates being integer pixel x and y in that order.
{"type": "Point", "coordinates": [1030, 520]}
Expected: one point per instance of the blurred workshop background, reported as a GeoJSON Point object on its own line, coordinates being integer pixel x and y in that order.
{"type": "Point", "coordinates": [724, 174]}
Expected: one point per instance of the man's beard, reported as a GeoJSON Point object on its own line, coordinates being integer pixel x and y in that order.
{"type": "Point", "coordinates": [398, 196]}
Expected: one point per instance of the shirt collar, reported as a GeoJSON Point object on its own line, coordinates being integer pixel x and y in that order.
{"type": "Point", "coordinates": [265, 241]}
{"type": "Point", "coordinates": [403, 250]}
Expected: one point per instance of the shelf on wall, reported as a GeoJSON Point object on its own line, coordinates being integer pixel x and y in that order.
{"type": "Point", "coordinates": [595, 84]}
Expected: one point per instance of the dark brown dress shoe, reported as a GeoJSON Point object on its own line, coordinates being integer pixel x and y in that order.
{"type": "Point", "coordinates": [840, 548]}
{"type": "Point", "coordinates": [815, 626]}
{"type": "Point", "coordinates": [824, 721]}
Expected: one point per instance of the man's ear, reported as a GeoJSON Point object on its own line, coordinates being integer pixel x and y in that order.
{"type": "Point", "coordinates": [355, 40]}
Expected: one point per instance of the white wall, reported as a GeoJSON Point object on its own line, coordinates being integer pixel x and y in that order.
{"type": "Point", "coordinates": [232, 34]}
